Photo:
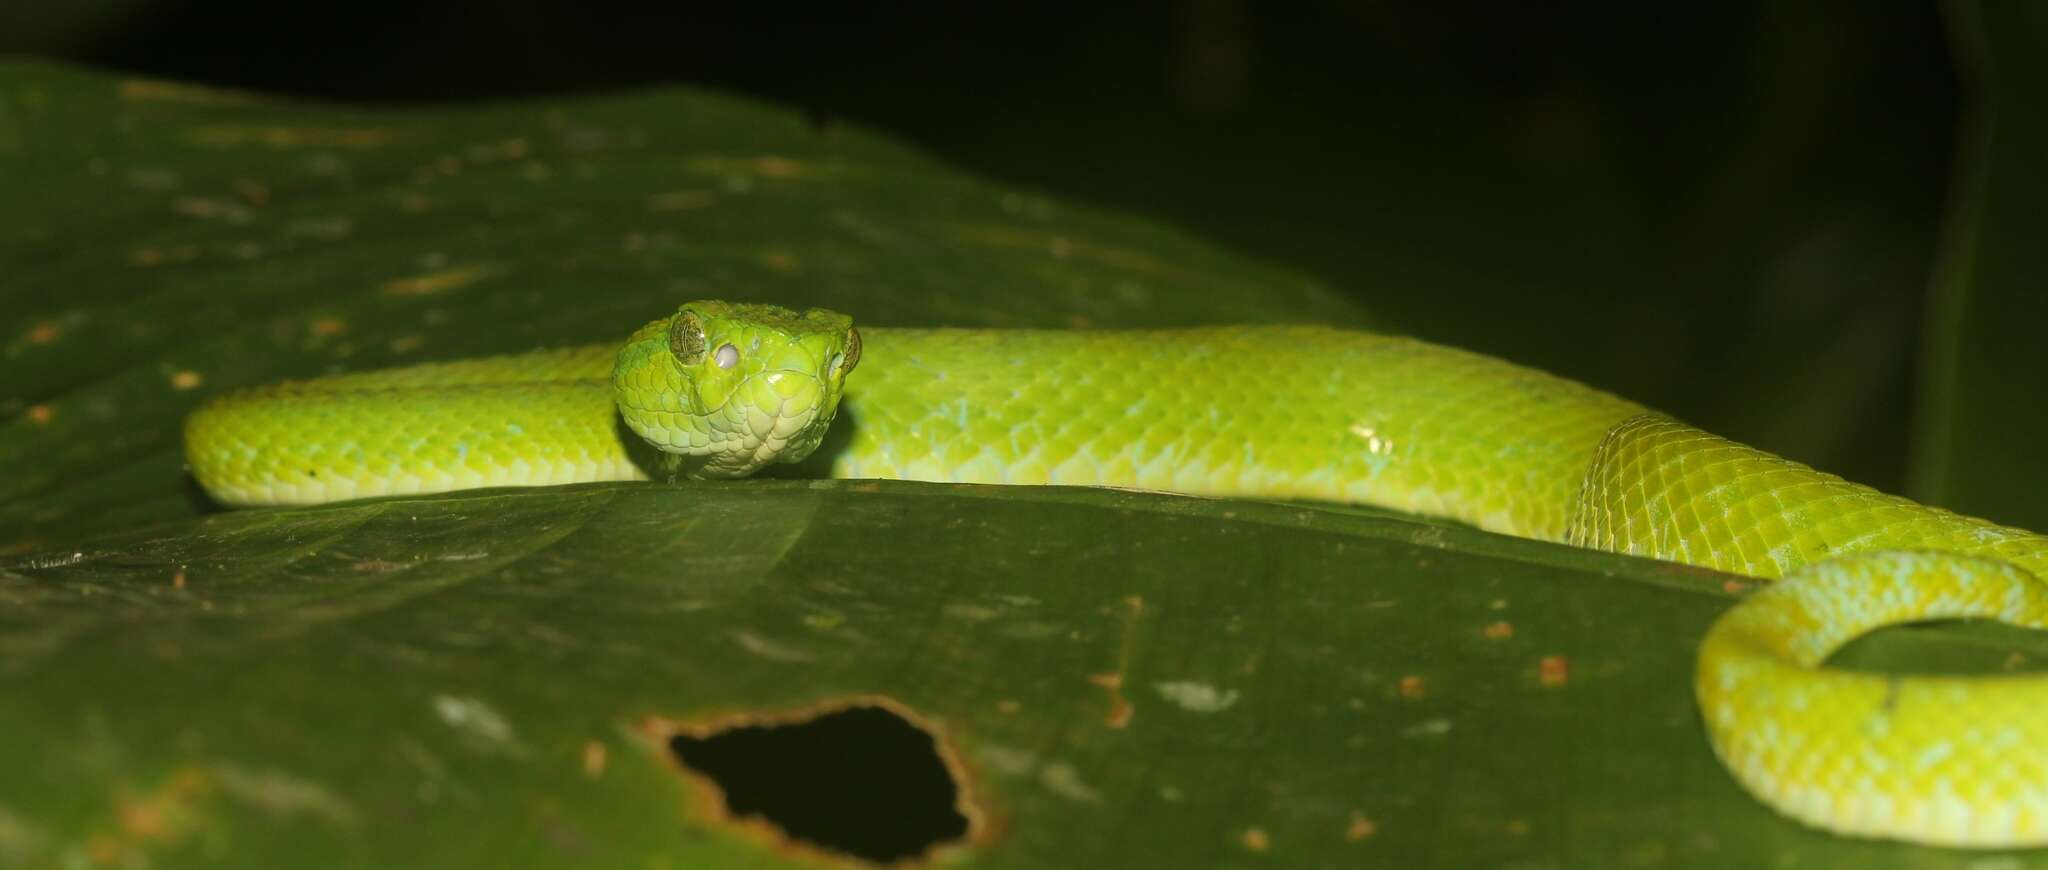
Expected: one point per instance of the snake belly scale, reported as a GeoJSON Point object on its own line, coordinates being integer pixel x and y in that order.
{"type": "Point", "coordinates": [723, 389]}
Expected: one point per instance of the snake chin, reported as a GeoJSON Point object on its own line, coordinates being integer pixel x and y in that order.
{"type": "Point", "coordinates": [753, 426]}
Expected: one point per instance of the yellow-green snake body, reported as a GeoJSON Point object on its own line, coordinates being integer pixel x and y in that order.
{"type": "Point", "coordinates": [722, 389]}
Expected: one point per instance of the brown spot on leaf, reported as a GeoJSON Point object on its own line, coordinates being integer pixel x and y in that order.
{"type": "Point", "coordinates": [1120, 710]}
{"type": "Point", "coordinates": [437, 282]}
{"type": "Point", "coordinates": [1413, 687]}
{"type": "Point", "coordinates": [163, 815]}
{"type": "Point", "coordinates": [1256, 839]}
{"type": "Point", "coordinates": [147, 91]}
{"type": "Point", "coordinates": [1361, 827]}
{"type": "Point", "coordinates": [768, 166]}
{"type": "Point", "coordinates": [1553, 671]}
{"type": "Point", "coordinates": [163, 256]}
{"type": "Point", "coordinates": [252, 191]}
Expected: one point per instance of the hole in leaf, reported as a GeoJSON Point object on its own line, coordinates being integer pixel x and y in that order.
{"type": "Point", "coordinates": [860, 780]}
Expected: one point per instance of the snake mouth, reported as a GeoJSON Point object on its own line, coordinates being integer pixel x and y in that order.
{"type": "Point", "coordinates": [770, 416]}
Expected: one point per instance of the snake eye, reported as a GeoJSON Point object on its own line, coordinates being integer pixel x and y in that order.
{"type": "Point", "coordinates": [727, 356]}
{"type": "Point", "coordinates": [852, 350]}
{"type": "Point", "coordinates": [686, 339]}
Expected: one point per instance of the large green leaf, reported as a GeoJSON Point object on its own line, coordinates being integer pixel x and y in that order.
{"type": "Point", "coordinates": [421, 682]}
{"type": "Point", "coordinates": [488, 678]}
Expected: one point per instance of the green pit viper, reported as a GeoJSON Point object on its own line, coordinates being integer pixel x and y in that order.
{"type": "Point", "coordinates": [723, 389]}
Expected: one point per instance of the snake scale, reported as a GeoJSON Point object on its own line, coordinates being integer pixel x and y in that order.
{"type": "Point", "coordinates": [723, 389]}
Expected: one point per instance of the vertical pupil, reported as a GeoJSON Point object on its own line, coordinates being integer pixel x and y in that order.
{"type": "Point", "coordinates": [852, 353]}
{"type": "Point", "coordinates": [686, 339]}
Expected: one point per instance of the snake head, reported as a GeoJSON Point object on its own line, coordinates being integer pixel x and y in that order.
{"type": "Point", "coordinates": [731, 387]}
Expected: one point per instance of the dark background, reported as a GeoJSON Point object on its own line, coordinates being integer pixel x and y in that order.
{"type": "Point", "coordinates": [1727, 210]}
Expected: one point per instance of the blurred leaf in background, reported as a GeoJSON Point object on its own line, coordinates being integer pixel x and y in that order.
{"type": "Point", "coordinates": [1979, 431]}
{"type": "Point", "coordinates": [81, 27]}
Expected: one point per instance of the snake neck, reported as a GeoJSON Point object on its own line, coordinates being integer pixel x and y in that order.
{"type": "Point", "coordinates": [1258, 411]}
{"type": "Point", "coordinates": [1324, 414]}
{"type": "Point", "coordinates": [1662, 489]}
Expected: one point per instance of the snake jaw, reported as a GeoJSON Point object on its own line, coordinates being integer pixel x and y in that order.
{"type": "Point", "coordinates": [731, 388]}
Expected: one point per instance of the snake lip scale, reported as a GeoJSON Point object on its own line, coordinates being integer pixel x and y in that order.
{"type": "Point", "coordinates": [722, 389]}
